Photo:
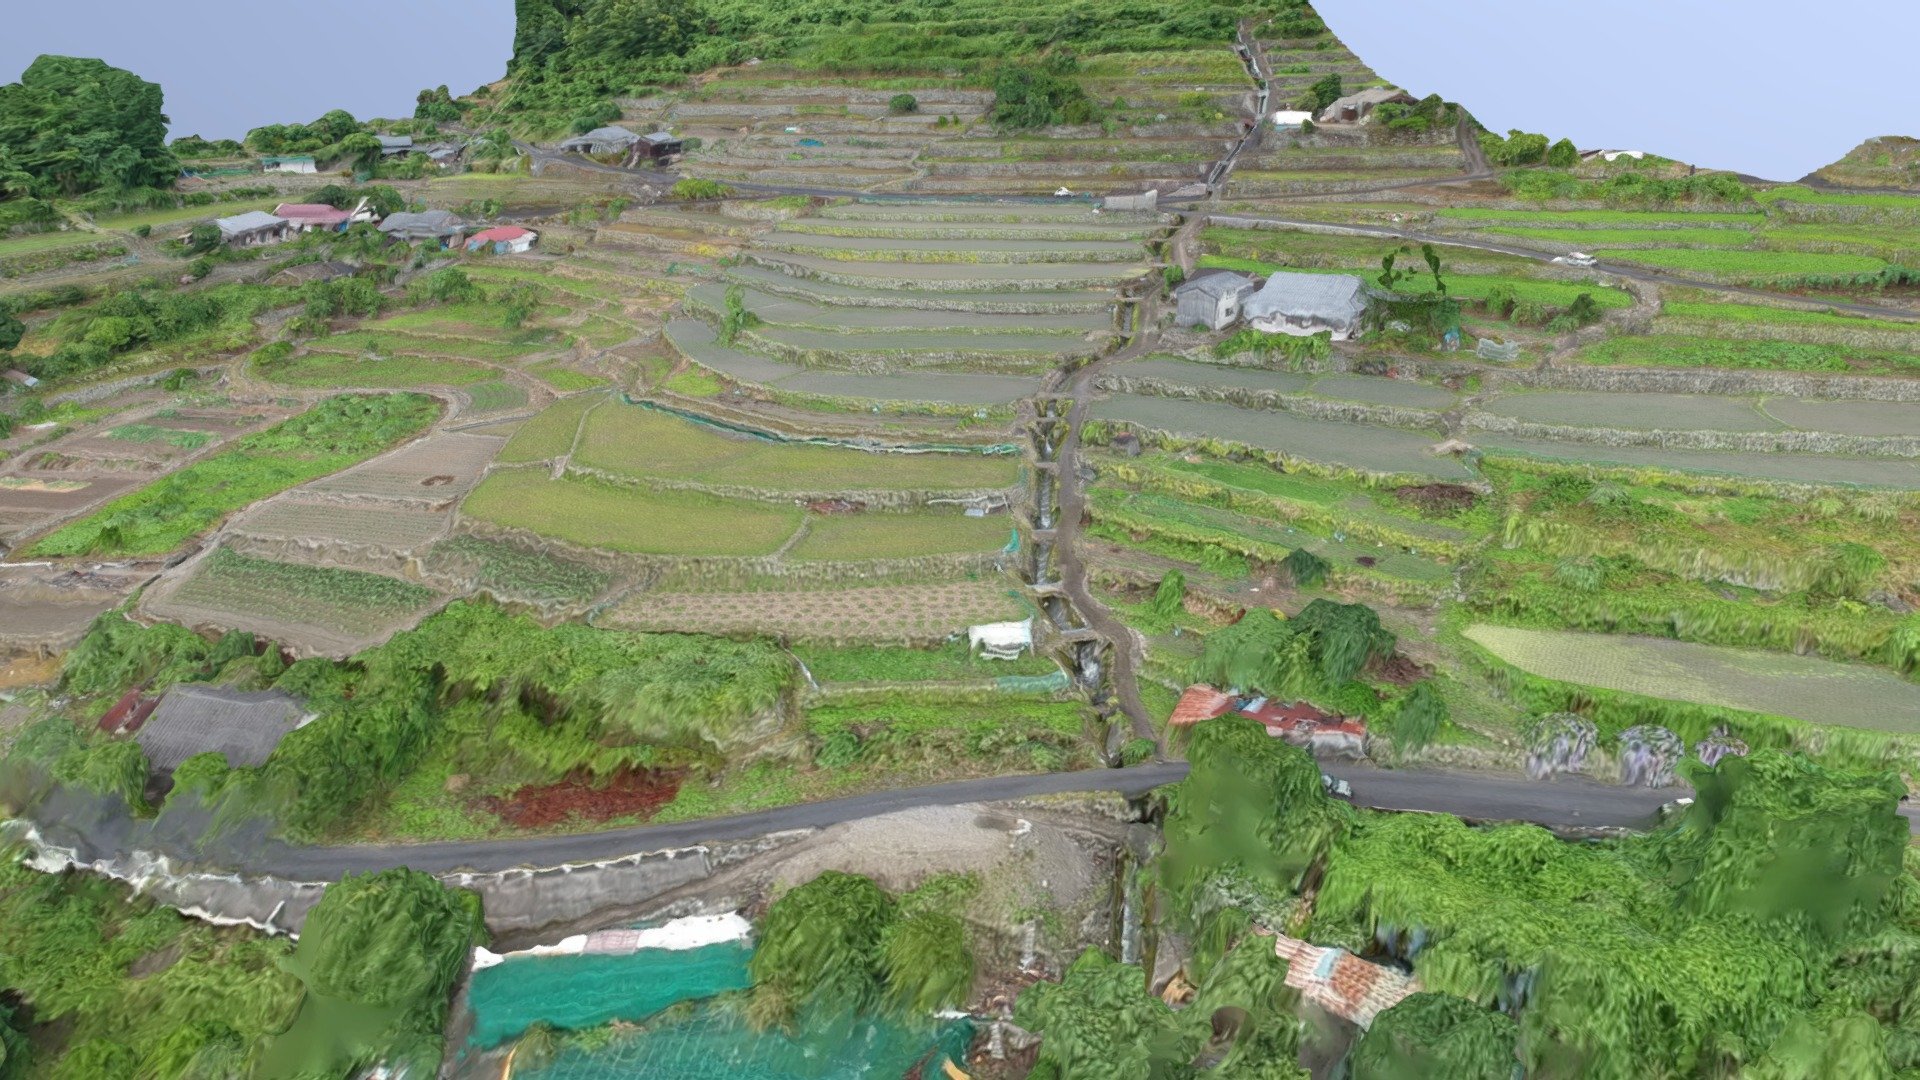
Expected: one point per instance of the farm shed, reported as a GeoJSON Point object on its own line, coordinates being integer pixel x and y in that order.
{"type": "Point", "coordinates": [503, 239]}
{"type": "Point", "coordinates": [395, 145]}
{"type": "Point", "coordinates": [15, 375]}
{"type": "Point", "coordinates": [604, 140]}
{"type": "Point", "coordinates": [1358, 106]}
{"type": "Point", "coordinates": [299, 164]}
{"type": "Point", "coordinates": [252, 229]}
{"type": "Point", "coordinates": [1132, 200]}
{"type": "Point", "coordinates": [441, 225]}
{"type": "Point", "coordinates": [1306, 304]}
{"type": "Point", "coordinates": [1290, 119]}
{"type": "Point", "coordinates": [1001, 641]}
{"type": "Point", "coordinates": [443, 154]}
{"type": "Point", "coordinates": [194, 719]}
{"type": "Point", "coordinates": [662, 147]}
{"type": "Point", "coordinates": [1211, 299]}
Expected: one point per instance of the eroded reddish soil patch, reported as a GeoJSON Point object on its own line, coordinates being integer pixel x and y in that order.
{"type": "Point", "coordinates": [626, 793]}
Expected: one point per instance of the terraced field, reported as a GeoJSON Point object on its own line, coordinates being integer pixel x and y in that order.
{"type": "Point", "coordinates": [914, 614]}
{"type": "Point", "coordinates": [858, 537]}
{"type": "Point", "coordinates": [320, 610]}
{"type": "Point", "coordinates": [1792, 469]}
{"type": "Point", "coordinates": [697, 342]}
{"type": "Point", "coordinates": [1778, 684]}
{"type": "Point", "coordinates": [629, 520]}
{"type": "Point", "coordinates": [652, 445]}
{"type": "Point", "coordinates": [1387, 451]}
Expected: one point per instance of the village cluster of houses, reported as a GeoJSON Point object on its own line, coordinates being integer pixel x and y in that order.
{"type": "Point", "coordinates": [288, 220]}
{"type": "Point", "coordinates": [444, 154]}
{"type": "Point", "coordinates": [1285, 303]}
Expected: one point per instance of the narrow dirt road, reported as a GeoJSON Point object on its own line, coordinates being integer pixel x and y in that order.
{"type": "Point", "coordinates": [1127, 656]}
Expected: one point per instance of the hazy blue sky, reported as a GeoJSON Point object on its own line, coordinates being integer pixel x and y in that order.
{"type": "Point", "coordinates": [1762, 86]}
{"type": "Point", "coordinates": [1767, 87]}
{"type": "Point", "coordinates": [230, 65]}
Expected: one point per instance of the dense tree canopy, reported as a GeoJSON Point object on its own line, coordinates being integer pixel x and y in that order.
{"type": "Point", "coordinates": [379, 956]}
{"type": "Point", "coordinates": [1430, 1035]}
{"type": "Point", "coordinates": [73, 125]}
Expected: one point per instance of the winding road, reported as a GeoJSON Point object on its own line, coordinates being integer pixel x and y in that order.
{"type": "Point", "coordinates": [98, 828]}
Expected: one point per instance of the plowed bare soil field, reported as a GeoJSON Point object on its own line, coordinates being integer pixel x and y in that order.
{"type": "Point", "coordinates": [911, 613]}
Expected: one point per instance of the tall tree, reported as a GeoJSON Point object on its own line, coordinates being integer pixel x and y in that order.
{"type": "Point", "coordinates": [75, 125]}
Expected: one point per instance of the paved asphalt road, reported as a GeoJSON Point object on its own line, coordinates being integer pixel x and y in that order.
{"type": "Point", "coordinates": [1563, 802]}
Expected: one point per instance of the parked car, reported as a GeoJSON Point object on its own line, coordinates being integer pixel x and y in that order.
{"type": "Point", "coordinates": [1336, 787]}
{"type": "Point", "coordinates": [1576, 258]}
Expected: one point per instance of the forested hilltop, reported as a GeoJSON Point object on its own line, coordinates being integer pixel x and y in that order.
{"type": "Point", "coordinates": [571, 58]}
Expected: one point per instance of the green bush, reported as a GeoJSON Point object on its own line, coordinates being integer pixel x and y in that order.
{"type": "Point", "coordinates": [1027, 96]}
{"type": "Point", "coordinates": [903, 103]}
{"type": "Point", "coordinates": [1322, 93]}
{"type": "Point", "coordinates": [695, 188]}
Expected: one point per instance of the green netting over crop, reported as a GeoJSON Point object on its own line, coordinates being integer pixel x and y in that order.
{"type": "Point", "coordinates": [716, 1042]}
{"type": "Point", "coordinates": [572, 993]}
{"type": "Point", "coordinates": [1032, 684]}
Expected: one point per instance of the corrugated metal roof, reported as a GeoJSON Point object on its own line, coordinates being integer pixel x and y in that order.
{"type": "Point", "coordinates": [1200, 702]}
{"type": "Point", "coordinates": [498, 234]}
{"type": "Point", "coordinates": [612, 133]}
{"type": "Point", "coordinates": [1335, 298]}
{"type": "Point", "coordinates": [247, 222]}
{"type": "Point", "coordinates": [395, 142]}
{"type": "Point", "coordinates": [1214, 284]}
{"type": "Point", "coordinates": [313, 212]}
{"type": "Point", "coordinates": [425, 223]}
{"type": "Point", "coordinates": [661, 137]}
{"type": "Point", "coordinates": [195, 719]}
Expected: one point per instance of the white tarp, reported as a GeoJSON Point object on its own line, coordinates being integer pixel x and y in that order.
{"type": "Point", "coordinates": [1001, 640]}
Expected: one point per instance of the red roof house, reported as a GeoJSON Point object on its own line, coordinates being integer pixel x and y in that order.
{"type": "Point", "coordinates": [503, 239]}
{"type": "Point", "coordinates": [308, 216]}
{"type": "Point", "coordinates": [1200, 702]}
{"type": "Point", "coordinates": [1299, 722]}
{"type": "Point", "coordinates": [1342, 983]}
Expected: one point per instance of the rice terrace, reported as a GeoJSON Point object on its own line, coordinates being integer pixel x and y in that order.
{"type": "Point", "coordinates": [898, 539]}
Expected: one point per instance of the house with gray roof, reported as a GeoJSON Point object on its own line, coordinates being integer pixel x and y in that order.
{"type": "Point", "coordinates": [1211, 298]}
{"type": "Point", "coordinates": [442, 225]}
{"type": "Point", "coordinates": [611, 139]}
{"type": "Point", "coordinates": [662, 147]}
{"type": "Point", "coordinates": [253, 228]}
{"type": "Point", "coordinates": [195, 718]}
{"type": "Point", "coordinates": [1358, 106]}
{"type": "Point", "coordinates": [395, 145]}
{"type": "Point", "coordinates": [1305, 304]}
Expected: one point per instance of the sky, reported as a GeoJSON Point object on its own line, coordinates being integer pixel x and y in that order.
{"type": "Point", "coordinates": [230, 65]}
{"type": "Point", "coordinates": [1765, 87]}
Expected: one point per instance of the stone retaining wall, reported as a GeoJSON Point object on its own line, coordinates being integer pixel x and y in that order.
{"type": "Point", "coordinates": [1713, 381]}
{"type": "Point", "coordinates": [1346, 412]}
{"type": "Point", "coordinates": [1751, 442]}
